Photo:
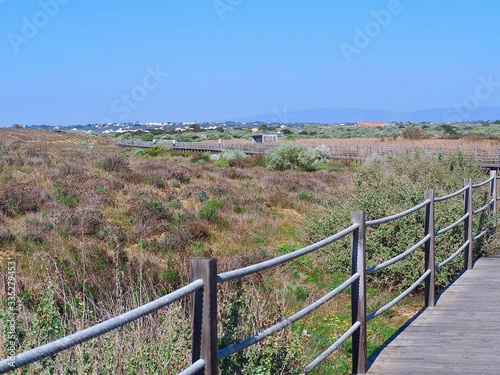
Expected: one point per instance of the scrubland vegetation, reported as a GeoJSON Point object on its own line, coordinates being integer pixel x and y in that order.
{"type": "Point", "coordinates": [466, 133]}
{"type": "Point", "coordinates": [96, 231]}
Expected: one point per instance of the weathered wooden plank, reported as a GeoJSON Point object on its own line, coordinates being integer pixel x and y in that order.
{"type": "Point", "coordinates": [460, 335]}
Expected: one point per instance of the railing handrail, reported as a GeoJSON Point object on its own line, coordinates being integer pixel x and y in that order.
{"type": "Point", "coordinates": [244, 271]}
{"type": "Point", "coordinates": [399, 215]}
{"type": "Point", "coordinates": [99, 329]}
{"type": "Point", "coordinates": [254, 339]}
{"type": "Point", "coordinates": [206, 279]}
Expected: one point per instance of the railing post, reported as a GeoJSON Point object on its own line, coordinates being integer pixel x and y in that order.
{"type": "Point", "coordinates": [429, 249]}
{"type": "Point", "coordinates": [468, 223]}
{"type": "Point", "coordinates": [358, 294]}
{"type": "Point", "coordinates": [493, 192]}
{"type": "Point", "coordinates": [204, 314]}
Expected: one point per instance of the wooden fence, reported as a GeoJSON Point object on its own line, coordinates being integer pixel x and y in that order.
{"type": "Point", "coordinates": [203, 288]}
{"type": "Point", "coordinates": [488, 156]}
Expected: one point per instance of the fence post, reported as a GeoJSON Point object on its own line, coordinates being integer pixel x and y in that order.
{"type": "Point", "coordinates": [429, 249]}
{"type": "Point", "coordinates": [468, 223]}
{"type": "Point", "coordinates": [358, 294]}
{"type": "Point", "coordinates": [493, 192]}
{"type": "Point", "coordinates": [204, 314]}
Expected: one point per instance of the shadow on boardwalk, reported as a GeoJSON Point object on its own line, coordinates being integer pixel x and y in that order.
{"type": "Point", "coordinates": [396, 334]}
{"type": "Point", "coordinates": [457, 336]}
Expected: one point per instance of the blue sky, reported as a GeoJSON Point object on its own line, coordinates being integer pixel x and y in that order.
{"type": "Point", "coordinates": [69, 62]}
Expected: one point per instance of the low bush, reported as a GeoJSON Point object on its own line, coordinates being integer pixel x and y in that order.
{"type": "Point", "coordinates": [290, 156]}
{"type": "Point", "coordinates": [413, 134]}
{"type": "Point", "coordinates": [209, 209]}
{"type": "Point", "coordinates": [156, 151]}
{"type": "Point", "coordinates": [148, 216]}
{"type": "Point", "coordinates": [148, 137]}
{"type": "Point", "coordinates": [36, 228]}
{"type": "Point", "coordinates": [21, 199]}
{"type": "Point", "coordinates": [81, 222]}
{"type": "Point", "coordinates": [6, 236]}
{"type": "Point", "coordinates": [65, 194]}
{"type": "Point", "coordinates": [233, 154]}
{"type": "Point", "coordinates": [160, 174]}
{"type": "Point", "coordinates": [177, 239]}
{"type": "Point", "coordinates": [115, 163]}
{"type": "Point", "coordinates": [201, 158]}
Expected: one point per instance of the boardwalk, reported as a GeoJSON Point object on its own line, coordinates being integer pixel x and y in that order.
{"type": "Point", "coordinates": [460, 335]}
{"type": "Point", "coordinates": [484, 156]}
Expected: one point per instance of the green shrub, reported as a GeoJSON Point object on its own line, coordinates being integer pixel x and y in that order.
{"type": "Point", "coordinates": [175, 203]}
{"type": "Point", "coordinates": [221, 163]}
{"type": "Point", "coordinates": [148, 137]}
{"type": "Point", "coordinates": [201, 157]}
{"type": "Point", "coordinates": [64, 194]}
{"type": "Point", "coordinates": [209, 209]}
{"type": "Point", "coordinates": [233, 154]}
{"type": "Point", "coordinates": [155, 151]}
{"type": "Point", "coordinates": [290, 156]}
{"type": "Point", "coordinates": [389, 185]}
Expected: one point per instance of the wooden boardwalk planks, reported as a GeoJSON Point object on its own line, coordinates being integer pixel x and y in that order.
{"type": "Point", "coordinates": [460, 335]}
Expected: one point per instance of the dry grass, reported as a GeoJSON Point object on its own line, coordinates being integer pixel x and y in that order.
{"type": "Point", "coordinates": [105, 230]}
{"type": "Point", "coordinates": [92, 197]}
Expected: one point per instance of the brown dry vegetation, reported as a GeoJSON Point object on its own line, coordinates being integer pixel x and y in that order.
{"type": "Point", "coordinates": [96, 230]}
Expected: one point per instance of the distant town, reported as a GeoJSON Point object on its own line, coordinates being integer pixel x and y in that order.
{"type": "Point", "coordinates": [130, 127]}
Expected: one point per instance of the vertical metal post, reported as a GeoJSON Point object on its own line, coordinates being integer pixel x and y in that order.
{"type": "Point", "coordinates": [358, 294]}
{"type": "Point", "coordinates": [429, 249]}
{"type": "Point", "coordinates": [204, 314]}
{"type": "Point", "coordinates": [493, 193]}
{"type": "Point", "coordinates": [468, 223]}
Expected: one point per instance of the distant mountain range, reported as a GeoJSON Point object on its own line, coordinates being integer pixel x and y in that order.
{"type": "Point", "coordinates": [346, 115]}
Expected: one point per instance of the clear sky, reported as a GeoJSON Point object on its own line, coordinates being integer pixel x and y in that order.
{"type": "Point", "coordinates": [69, 62]}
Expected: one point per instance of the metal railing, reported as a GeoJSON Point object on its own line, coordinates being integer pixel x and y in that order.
{"type": "Point", "coordinates": [204, 287]}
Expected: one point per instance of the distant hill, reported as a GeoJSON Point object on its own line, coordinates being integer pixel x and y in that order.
{"type": "Point", "coordinates": [342, 115]}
